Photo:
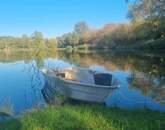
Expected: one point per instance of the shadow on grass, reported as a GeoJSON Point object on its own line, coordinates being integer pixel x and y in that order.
{"type": "Point", "coordinates": [12, 124]}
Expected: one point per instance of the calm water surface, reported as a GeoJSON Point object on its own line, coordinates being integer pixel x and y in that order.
{"type": "Point", "coordinates": [142, 78]}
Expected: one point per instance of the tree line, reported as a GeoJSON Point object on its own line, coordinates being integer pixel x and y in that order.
{"type": "Point", "coordinates": [146, 30]}
{"type": "Point", "coordinates": [35, 41]}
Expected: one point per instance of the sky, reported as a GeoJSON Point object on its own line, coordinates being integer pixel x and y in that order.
{"type": "Point", "coordinates": [56, 17]}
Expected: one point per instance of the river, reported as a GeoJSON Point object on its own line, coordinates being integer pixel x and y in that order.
{"type": "Point", "coordinates": [142, 78]}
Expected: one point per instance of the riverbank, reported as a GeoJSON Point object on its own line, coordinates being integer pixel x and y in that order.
{"type": "Point", "coordinates": [142, 47]}
{"type": "Point", "coordinates": [146, 47]}
{"type": "Point", "coordinates": [86, 117]}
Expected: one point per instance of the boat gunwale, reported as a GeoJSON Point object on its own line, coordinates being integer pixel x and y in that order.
{"type": "Point", "coordinates": [83, 84]}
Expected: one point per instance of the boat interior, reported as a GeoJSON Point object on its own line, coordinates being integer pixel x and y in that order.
{"type": "Point", "coordinates": [86, 76]}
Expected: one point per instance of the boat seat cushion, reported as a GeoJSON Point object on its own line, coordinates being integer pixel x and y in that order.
{"type": "Point", "coordinates": [103, 79]}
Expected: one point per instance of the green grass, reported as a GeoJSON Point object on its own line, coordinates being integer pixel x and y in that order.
{"type": "Point", "coordinates": [86, 117]}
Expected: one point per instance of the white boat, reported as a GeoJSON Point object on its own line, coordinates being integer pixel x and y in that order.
{"type": "Point", "coordinates": [79, 83]}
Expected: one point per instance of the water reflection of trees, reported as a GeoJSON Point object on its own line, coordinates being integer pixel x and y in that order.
{"type": "Point", "coordinates": [158, 94]}
{"type": "Point", "coordinates": [35, 77]}
{"type": "Point", "coordinates": [142, 81]}
{"type": "Point", "coordinates": [26, 56]}
{"type": "Point", "coordinates": [112, 62]}
{"type": "Point", "coordinates": [149, 84]}
{"type": "Point", "coordinates": [147, 73]}
{"type": "Point", "coordinates": [118, 62]}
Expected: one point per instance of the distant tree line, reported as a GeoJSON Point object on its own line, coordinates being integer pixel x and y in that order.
{"type": "Point", "coordinates": [35, 41]}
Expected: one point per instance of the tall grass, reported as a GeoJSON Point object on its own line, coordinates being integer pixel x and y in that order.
{"type": "Point", "coordinates": [7, 108]}
{"type": "Point", "coordinates": [86, 117]}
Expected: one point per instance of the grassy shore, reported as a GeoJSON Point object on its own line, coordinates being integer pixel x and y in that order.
{"type": "Point", "coordinates": [86, 117]}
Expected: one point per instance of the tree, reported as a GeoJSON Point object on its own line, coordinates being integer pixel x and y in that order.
{"type": "Point", "coordinates": [150, 15]}
{"type": "Point", "coordinates": [38, 40]}
{"type": "Point", "coordinates": [75, 39]}
{"type": "Point", "coordinates": [71, 39]}
{"type": "Point", "coordinates": [68, 39]}
{"type": "Point", "coordinates": [81, 28]}
{"type": "Point", "coordinates": [52, 44]}
{"type": "Point", "coordinates": [25, 41]}
{"type": "Point", "coordinates": [146, 9]}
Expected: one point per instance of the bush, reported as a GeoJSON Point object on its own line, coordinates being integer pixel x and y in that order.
{"type": "Point", "coordinates": [69, 49]}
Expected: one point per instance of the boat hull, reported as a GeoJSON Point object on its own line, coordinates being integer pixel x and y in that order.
{"type": "Point", "coordinates": [78, 91]}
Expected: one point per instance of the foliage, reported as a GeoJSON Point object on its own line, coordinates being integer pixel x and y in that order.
{"type": "Point", "coordinates": [51, 43]}
{"type": "Point", "coordinates": [146, 9]}
{"type": "Point", "coordinates": [10, 42]}
{"type": "Point", "coordinates": [36, 41]}
{"type": "Point", "coordinates": [69, 49]}
{"type": "Point", "coordinates": [148, 16]}
{"type": "Point", "coordinates": [81, 28]}
{"type": "Point", "coordinates": [147, 24]}
{"type": "Point", "coordinates": [113, 36]}
{"type": "Point", "coordinates": [80, 35]}
{"type": "Point", "coordinates": [70, 39]}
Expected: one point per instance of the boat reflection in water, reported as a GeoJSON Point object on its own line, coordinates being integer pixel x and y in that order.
{"type": "Point", "coordinates": [79, 84]}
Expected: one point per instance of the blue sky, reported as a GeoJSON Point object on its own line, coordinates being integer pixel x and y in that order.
{"type": "Point", "coordinates": [56, 17]}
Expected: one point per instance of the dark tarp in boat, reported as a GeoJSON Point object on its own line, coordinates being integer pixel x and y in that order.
{"type": "Point", "coordinates": [103, 79]}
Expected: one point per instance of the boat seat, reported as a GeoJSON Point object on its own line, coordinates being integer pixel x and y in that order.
{"type": "Point", "coordinates": [79, 76]}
